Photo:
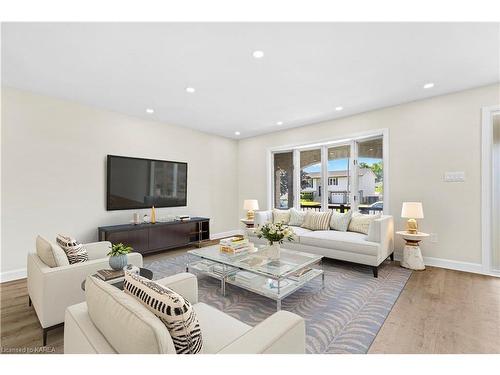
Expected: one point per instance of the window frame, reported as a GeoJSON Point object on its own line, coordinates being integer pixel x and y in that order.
{"type": "Point", "coordinates": [323, 145]}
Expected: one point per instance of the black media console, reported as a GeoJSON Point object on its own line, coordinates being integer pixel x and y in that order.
{"type": "Point", "coordinates": [149, 238]}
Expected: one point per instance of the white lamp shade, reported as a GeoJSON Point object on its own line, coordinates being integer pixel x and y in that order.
{"type": "Point", "coordinates": [412, 210]}
{"type": "Point", "coordinates": [251, 204]}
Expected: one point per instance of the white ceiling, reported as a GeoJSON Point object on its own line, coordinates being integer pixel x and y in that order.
{"type": "Point", "coordinates": [308, 68]}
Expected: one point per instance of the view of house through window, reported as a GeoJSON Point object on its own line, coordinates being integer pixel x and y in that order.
{"type": "Point", "coordinates": [370, 176]}
{"type": "Point", "coordinates": [283, 180]}
{"type": "Point", "coordinates": [310, 179]}
{"type": "Point", "coordinates": [353, 174]}
{"type": "Point", "coordinates": [338, 172]}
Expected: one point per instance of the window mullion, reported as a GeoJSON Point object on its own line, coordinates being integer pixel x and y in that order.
{"type": "Point", "coordinates": [296, 179]}
{"type": "Point", "coordinates": [353, 176]}
{"type": "Point", "coordinates": [324, 178]}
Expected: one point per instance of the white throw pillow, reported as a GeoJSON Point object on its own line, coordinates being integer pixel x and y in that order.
{"type": "Point", "coordinates": [317, 220]}
{"type": "Point", "coordinates": [281, 216]}
{"type": "Point", "coordinates": [50, 253]}
{"type": "Point", "coordinates": [361, 223]}
{"type": "Point", "coordinates": [297, 217]}
{"type": "Point", "coordinates": [340, 221]}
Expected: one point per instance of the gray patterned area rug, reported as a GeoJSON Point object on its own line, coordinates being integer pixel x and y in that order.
{"type": "Point", "coordinates": [343, 317]}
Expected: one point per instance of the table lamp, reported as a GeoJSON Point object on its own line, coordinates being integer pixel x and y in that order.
{"type": "Point", "coordinates": [250, 205]}
{"type": "Point", "coordinates": [412, 211]}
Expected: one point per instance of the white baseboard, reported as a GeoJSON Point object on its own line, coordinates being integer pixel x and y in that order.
{"type": "Point", "coordinates": [13, 275]}
{"type": "Point", "coordinates": [216, 236]}
{"type": "Point", "coordinates": [21, 272]}
{"type": "Point", "coordinates": [449, 264]}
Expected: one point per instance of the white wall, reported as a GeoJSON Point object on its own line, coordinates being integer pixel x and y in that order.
{"type": "Point", "coordinates": [53, 171]}
{"type": "Point", "coordinates": [426, 138]}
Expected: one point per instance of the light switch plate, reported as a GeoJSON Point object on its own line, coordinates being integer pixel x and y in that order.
{"type": "Point", "coordinates": [433, 238]}
{"type": "Point", "coordinates": [454, 176]}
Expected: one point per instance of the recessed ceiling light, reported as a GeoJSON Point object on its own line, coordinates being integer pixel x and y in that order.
{"type": "Point", "coordinates": [429, 85]}
{"type": "Point", "coordinates": [339, 108]}
{"type": "Point", "coordinates": [279, 123]}
{"type": "Point", "coordinates": [190, 89]}
{"type": "Point", "coordinates": [150, 110]}
{"type": "Point", "coordinates": [237, 133]}
{"type": "Point", "coordinates": [258, 54]}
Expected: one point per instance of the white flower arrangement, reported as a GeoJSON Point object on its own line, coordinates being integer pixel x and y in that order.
{"type": "Point", "coordinates": [275, 232]}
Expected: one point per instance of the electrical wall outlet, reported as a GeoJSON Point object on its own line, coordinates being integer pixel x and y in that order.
{"type": "Point", "coordinates": [433, 238]}
{"type": "Point", "coordinates": [454, 176]}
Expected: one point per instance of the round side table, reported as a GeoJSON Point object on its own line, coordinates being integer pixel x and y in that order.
{"type": "Point", "coordinates": [412, 256]}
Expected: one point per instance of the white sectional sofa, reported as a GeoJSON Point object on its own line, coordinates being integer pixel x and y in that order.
{"type": "Point", "coordinates": [111, 321]}
{"type": "Point", "coordinates": [371, 249]}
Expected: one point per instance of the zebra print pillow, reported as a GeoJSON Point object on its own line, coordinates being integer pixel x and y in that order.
{"type": "Point", "coordinates": [75, 251]}
{"type": "Point", "coordinates": [173, 310]}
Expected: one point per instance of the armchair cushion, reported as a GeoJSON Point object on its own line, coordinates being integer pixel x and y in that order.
{"type": "Point", "coordinates": [219, 329]}
{"type": "Point", "coordinates": [98, 250]}
{"type": "Point", "coordinates": [173, 310]}
{"type": "Point", "coordinates": [282, 333]}
{"type": "Point", "coordinates": [128, 326]}
{"type": "Point", "coordinates": [50, 253]}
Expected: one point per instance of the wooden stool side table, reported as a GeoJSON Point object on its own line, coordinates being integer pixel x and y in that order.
{"type": "Point", "coordinates": [412, 255]}
{"type": "Point", "coordinates": [248, 222]}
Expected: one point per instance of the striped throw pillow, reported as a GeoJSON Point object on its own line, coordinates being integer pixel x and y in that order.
{"type": "Point", "coordinates": [171, 308]}
{"type": "Point", "coordinates": [75, 251]}
{"type": "Point", "coordinates": [317, 220]}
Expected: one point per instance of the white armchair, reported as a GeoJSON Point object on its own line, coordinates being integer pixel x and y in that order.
{"type": "Point", "coordinates": [52, 289]}
{"type": "Point", "coordinates": [111, 321]}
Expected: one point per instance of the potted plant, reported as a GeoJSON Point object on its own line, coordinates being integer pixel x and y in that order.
{"type": "Point", "coordinates": [275, 233]}
{"type": "Point", "coordinates": [118, 256]}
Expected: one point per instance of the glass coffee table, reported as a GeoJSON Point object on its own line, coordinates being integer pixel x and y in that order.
{"type": "Point", "coordinates": [256, 271]}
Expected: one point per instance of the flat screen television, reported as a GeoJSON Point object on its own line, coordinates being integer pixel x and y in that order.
{"type": "Point", "coordinates": [134, 183]}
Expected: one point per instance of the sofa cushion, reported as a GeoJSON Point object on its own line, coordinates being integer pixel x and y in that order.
{"type": "Point", "coordinates": [297, 217]}
{"type": "Point", "coordinates": [173, 310]}
{"type": "Point", "coordinates": [50, 253]}
{"type": "Point", "coordinates": [219, 329]}
{"type": "Point", "coordinates": [340, 221]}
{"type": "Point", "coordinates": [336, 240]}
{"type": "Point", "coordinates": [361, 223]}
{"type": "Point", "coordinates": [281, 216]}
{"type": "Point", "coordinates": [317, 220]}
{"type": "Point", "coordinates": [127, 325]}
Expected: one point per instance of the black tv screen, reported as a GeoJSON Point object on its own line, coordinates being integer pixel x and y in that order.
{"type": "Point", "coordinates": [142, 183]}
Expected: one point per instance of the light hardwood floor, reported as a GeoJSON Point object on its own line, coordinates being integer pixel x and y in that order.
{"type": "Point", "coordinates": [443, 311]}
{"type": "Point", "coordinates": [439, 311]}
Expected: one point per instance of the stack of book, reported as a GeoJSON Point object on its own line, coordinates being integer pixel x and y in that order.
{"type": "Point", "coordinates": [108, 275]}
{"type": "Point", "coordinates": [235, 245]}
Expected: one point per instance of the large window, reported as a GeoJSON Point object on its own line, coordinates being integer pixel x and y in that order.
{"type": "Point", "coordinates": [344, 175]}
